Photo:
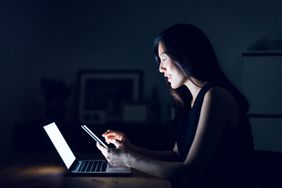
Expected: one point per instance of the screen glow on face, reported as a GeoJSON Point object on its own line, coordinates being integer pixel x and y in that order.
{"type": "Point", "coordinates": [60, 144]}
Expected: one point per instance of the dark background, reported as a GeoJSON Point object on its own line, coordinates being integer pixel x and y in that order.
{"type": "Point", "coordinates": [56, 39]}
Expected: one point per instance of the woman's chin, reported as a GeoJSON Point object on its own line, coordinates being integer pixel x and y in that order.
{"type": "Point", "coordinates": [173, 86]}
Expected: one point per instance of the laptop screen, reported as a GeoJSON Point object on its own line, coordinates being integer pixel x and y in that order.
{"type": "Point", "coordinates": [60, 144]}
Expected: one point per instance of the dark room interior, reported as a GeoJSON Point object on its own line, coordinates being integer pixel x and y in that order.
{"type": "Point", "coordinates": [91, 62]}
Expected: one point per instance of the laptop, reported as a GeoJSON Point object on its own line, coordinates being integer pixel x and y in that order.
{"type": "Point", "coordinates": [81, 167]}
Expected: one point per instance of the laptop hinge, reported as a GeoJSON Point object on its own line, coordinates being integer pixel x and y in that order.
{"type": "Point", "coordinates": [75, 166]}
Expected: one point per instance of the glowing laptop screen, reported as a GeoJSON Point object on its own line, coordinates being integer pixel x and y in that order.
{"type": "Point", "coordinates": [60, 144]}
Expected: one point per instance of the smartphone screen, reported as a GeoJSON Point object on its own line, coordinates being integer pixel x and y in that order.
{"type": "Point", "coordinates": [96, 138]}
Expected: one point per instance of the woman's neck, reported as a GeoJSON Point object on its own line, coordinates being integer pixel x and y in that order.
{"type": "Point", "coordinates": [194, 87]}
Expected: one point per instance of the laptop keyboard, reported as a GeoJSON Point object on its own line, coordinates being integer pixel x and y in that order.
{"type": "Point", "coordinates": [93, 166]}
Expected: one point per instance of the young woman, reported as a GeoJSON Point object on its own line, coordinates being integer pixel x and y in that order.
{"type": "Point", "coordinates": [213, 147]}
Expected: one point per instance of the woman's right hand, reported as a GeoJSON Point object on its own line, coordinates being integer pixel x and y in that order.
{"type": "Point", "coordinates": [117, 138]}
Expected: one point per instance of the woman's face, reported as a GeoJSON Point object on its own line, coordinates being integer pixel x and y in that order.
{"type": "Point", "coordinates": [171, 71]}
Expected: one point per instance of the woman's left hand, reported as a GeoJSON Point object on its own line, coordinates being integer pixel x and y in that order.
{"type": "Point", "coordinates": [116, 157]}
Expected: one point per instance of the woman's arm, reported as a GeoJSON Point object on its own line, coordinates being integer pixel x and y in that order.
{"type": "Point", "coordinates": [166, 155]}
{"type": "Point", "coordinates": [218, 112]}
{"type": "Point", "coordinates": [213, 118]}
{"type": "Point", "coordinates": [120, 140]}
{"type": "Point", "coordinates": [132, 159]}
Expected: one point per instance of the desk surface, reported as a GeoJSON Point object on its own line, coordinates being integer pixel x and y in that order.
{"type": "Point", "coordinates": [45, 170]}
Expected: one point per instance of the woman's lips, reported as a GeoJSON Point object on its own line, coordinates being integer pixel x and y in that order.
{"type": "Point", "coordinates": [168, 76]}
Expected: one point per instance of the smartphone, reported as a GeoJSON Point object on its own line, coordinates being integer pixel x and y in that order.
{"type": "Point", "coordinates": [88, 131]}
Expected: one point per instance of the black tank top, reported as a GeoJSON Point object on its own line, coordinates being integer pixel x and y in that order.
{"type": "Point", "coordinates": [188, 124]}
{"type": "Point", "coordinates": [231, 159]}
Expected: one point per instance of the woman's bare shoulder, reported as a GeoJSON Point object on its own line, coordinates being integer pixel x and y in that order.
{"type": "Point", "coordinates": [221, 94]}
{"type": "Point", "coordinates": [224, 99]}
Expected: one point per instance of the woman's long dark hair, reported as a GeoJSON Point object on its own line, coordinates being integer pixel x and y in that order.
{"type": "Point", "coordinates": [193, 53]}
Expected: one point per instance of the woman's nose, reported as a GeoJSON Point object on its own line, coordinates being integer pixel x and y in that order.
{"type": "Point", "coordinates": [161, 68]}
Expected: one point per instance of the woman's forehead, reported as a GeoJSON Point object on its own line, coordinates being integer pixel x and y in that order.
{"type": "Point", "coordinates": [161, 48]}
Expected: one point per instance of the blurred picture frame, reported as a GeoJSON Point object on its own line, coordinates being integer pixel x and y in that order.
{"type": "Point", "coordinates": [101, 94]}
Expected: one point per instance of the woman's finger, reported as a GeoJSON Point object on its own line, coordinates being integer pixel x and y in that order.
{"type": "Point", "coordinates": [118, 144]}
{"type": "Point", "coordinates": [116, 134]}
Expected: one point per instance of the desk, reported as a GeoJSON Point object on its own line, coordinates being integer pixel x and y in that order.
{"type": "Point", "coordinates": [44, 170]}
